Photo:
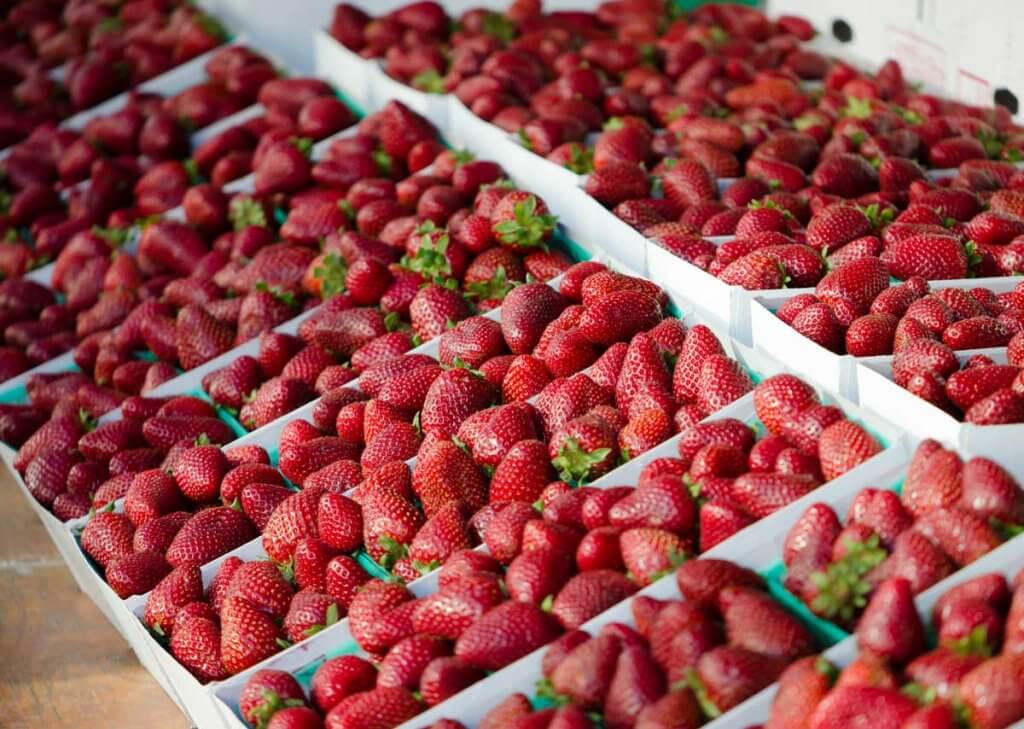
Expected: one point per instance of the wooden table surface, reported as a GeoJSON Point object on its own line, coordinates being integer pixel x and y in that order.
{"type": "Point", "coordinates": [62, 665]}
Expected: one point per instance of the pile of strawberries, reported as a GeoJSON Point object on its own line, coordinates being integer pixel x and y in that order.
{"type": "Point", "coordinates": [139, 161]}
{"type": "Point", "coordinates": [34, 325]}
{"type": "Point", "coordinates": [72, 464]}
{"type": "Point", "coordinates": [946, 515]}
{"type": "Point", "coordinates": [683, 661]}
{"type": "Point", "coordinates": [104, 49]}
{"type": "Point", "coordinates": [901, 678]}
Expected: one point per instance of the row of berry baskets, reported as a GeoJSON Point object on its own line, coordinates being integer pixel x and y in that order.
{"type": "Point", "coordinates": [317, 456]}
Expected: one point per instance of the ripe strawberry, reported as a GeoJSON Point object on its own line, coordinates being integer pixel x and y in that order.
{"type": "Point", "coordinates": [523, 473]}
{"type": "Point", "coordinates": [340, 677]}
{"type": "Point", "coordinates": [890, 626]}
{"type": "Point", "coordinates": [182, 586]}
{"type": "Point", "coordinates": [843, 446]}
{"type": "Point", "coordinates": [726, 676]}
{"type": "Point", "coordinates": [990, 693]}
{"type": "Point", "coordinates": [780, 398]}
{"type": "Point", "coordinates": [247, 635]}
{"type": "Point", "coordinates": [376, 709]}
{"type": "Point", "coordinates": [818, 323]}
{"type": "Point", "coordinates": [650, 553]}
{"type": "Point", "coordinates": [801, 687]}
{"type": "Point", "coordinates": [136, 574]}
{"type": "Point", "coordinates": [762, 494]}
{"type": "Point", "coordinates": [504, 634]}
{"type": "Point", "coordinates": [588, 594]}
{"type": "Point", "coordinates": [845, 705]}
{"type": "Point", "coordinates": [583, 449]}
{"type": "Point", "coordinates": [209, 534]}
{"type": "Point", "coordinates": [200, 337]}
{"type": "Point", "coordinates": [990, 492]}
{"type": "Point", "coordinates": [961, 535]}
{"type": "Point", "coordinates": [452, 397]}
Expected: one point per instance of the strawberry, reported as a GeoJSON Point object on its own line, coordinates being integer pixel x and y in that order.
{"type": "Point", "coordinates": [780, 398]}
{"type": "Point", "coordinates": [688, 183]}
{"type": "Point", "coordinates": [433, 308]}
{"type": "Point", "coordinates": [444, 677]}
{"type": "Point", "coordinates": [662, 503]}
{"type": "Point", "coordinates": [728, 675]}
{"type": "Point", "coordinates": [969, 386]}
{"type": "Point", "coordinates": [200, 337]}
{"type": "Point", "coordinates": [340, 677]}
{"type": "Point", "coordinates": [762, 494]}
{"type": "Point", "coordinates": [247, 635]}
{"type": "Point", "coordinates": [195, 643]}
{"type": "Point", "coordinates": [452, 397]}
{"type": "Point", "coordinates": [890, 626]}
{"type": "Point", "coordinates": [339, 522]}
{"type": "Point", "coordinates": [374, 709]}
{"type": "Point", "coordinates": [941, 670]}
{"type": "Point", "coordinates": [521, 221]}
{"type": "Point", "coordinates": [588, 594]}
{"type": "Point", "coordinates": [308, 614]}
{"type": "Point", "coordinates": [649, 554]}
{"type": "Point", "coordinates": [990, 492]}
{"type": "Point", "coordinates": [527, 310]}
{"type": "Point", "coordinates": [504, 634]}
{"type": "Point", "coordinates": [209, 534]}
{"type": "Point", "coordinates": [755, 272]}
{"type": "Point", "coordinates": [961, 535]}
{"type": "Point", "coordinates": [136, 574]}
{"type": "Point", "coordinates": [801, 687]}
{"type": "Point", "coordinates": [1000, 408]}
{"type": "Point", "coordinates": [617, 182]}
{"type": "Point", "coordinates": [403, 665]}
{"type": "Point", "coordinates": [843, 446]}
{"type": "Point", "coordinates": [583, 449]}
{"type": "Point", "coordinates": [860, 281]}
{"type": "Point", "coordinates": [262, 585]}
{"type": "Point", "coordinates": [182, 586]}
{"type": "Point", "coordinates": [989, 692]}
{"type": "Point", "coordinates": [846, 705]}
{"type": "Point", "coordinates": [522, 474]}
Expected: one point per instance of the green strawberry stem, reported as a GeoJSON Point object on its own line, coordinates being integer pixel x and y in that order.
{"type": "Point", "coordinates": [496, 287]}
{"type": "Point", "coordinates": [707, 706]}
{"type": "Point", "coordinates": [975, 643]}
{"type": "Point", "coordinates": [528, 228]}
{"type": "Point", "coordinates": [429, 81]}
{"type": "Point", "coordinates": [573, 463]}
{"type": "Point", "coordinates": [244, 211]}
{"type": "Point", "coordinates": [393, 551]}
{"type": "Point", "coordinates": [332, 274]}
{"type": "Point", "coordinates": [842, 588]}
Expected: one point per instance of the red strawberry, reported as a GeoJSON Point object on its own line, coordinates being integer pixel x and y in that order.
{"type": "Point", "coordinates": [247, 635]}
{"type": "Point", "coordinates": [843, 446]}
{"type": "Point", "coordinates": [340, 677]}
{"type": "Point", "coordinates": [588, 594]}
{"type": "Point", "coordinates": [182, 586]}
{"type": "Point", "coordinates": [375, 709]}
{"type": "Point", "coordinates": [890, 626]}
{"type": "Point", "coordinates": [209, 534]}
{"type": "Point", "coordinates": [726, 676]}
{"type": "Point", "coordinates": [504, 634]}
{"type": "Point", "coordinates": [847, 705]}
{"type": "Point", "coordinates": [801, 687]}
{"type": "Point", "coordinates": [523, 473]}
{"type": "Point", "coordinates": [990, 692]}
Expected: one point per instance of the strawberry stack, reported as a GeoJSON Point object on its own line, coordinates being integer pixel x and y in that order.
{"type": "Point", "coordinates": [138, 41]}
{"type": "Point", "coordinates": [946, 515]}
{"type": "Point", "coordinates": [964, 662]}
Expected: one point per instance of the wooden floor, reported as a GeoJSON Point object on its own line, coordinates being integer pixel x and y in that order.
{"type": "Point", "coordinates": [62, 665]}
